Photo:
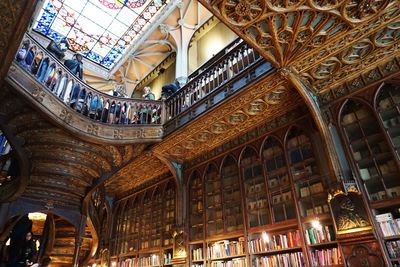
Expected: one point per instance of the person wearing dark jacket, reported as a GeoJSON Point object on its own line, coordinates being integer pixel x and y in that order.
{"type": "Point", "coordinates": [27, 251]}
{"type": "Point", "coordinates": [75, 65]}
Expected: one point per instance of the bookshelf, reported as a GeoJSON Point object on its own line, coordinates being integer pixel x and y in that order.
{"type": "Point", "coordinates": [196, 210]}
{"type": "Point", "coordinates": [226, 253]}
{"type": "Point", "coordinates": [278, 181]}
{"type": "Point", "coordinates": [370, 152]}
{"type": "Point", "coordinates": [146, 222]}
{"type": "Point", "coordinates": [258, 212]}
{"type": "Point", "coordinates": [167, 257]}
{"type": "Point", "coordinates": [388, 108]}
{"type": "Point", "coordinates": [149, 260]}
{"type": "Point", "coordinates": [197, 255]}
{"type": "Point", "coordinates": [306, 174]}
{"type": "Point", "coordinates": [232, 201]}
{"type": "Point", "coordinates": [214, 210]}
{"type": "Point", "coordinates": [143, 229]}
{"type": "Point", "coordinates": [168, 214]}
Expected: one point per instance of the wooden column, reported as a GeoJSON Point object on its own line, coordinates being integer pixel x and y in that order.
{"type": "Point", "coordinates": [310, 99]}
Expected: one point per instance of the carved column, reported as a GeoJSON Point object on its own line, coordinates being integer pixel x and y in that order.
{"type": "Point", "coordinates": [309, 97]}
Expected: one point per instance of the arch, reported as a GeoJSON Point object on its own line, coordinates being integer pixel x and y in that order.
{"type": "Point", "coordinates": [244, 152]}
{"type": "Point", "coordinates": [226, 160]}
{"type": "Point", "coordinates": [266, 139]}
{"type": "Point", "coordinates": [369, 149]}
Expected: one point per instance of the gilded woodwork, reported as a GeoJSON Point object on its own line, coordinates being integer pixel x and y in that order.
{"type": "Point", "coordinates": [327, 42]}
{"type": "Point", "coordinates": [248, 109]}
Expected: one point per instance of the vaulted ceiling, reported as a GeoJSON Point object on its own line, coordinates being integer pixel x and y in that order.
{"type": "Point", "coordinates": [327, 43]}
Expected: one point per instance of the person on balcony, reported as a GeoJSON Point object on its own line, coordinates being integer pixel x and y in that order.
{"type": "Point", "coordinates": [169, 89]}
{"type": "Point", "coordinates": [58, 49]}
{"type": "Point", "coordinates": [75, 65]}
{"type": "Point", "coordinates": [146, 110]}
{"type": "Point", "coordinates": [22, 52]}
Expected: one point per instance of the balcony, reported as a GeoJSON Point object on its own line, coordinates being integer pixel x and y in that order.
{"type": "Point", "coordinates": [73, 104]}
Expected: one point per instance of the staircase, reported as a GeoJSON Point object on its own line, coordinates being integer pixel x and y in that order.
{"type": "Point", "coordinates": [62, 252]}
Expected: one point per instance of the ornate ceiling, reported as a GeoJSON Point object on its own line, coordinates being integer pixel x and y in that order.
{"type": "Point", "coordinates": [156, 48]}
{"type": "Point", "coordinates": [327, 42]}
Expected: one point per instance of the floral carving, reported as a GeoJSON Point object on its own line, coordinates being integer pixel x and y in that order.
{"type": "Point", "coordinates": [93, 129]}
{"type": "Point", "coordinates": [66, 116]}
{"type": "Point", "coordinates": [38, 94]}
{"type": "Point", "coordinates": [242, 12]}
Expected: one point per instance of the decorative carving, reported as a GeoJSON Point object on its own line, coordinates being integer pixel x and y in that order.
{"type": "Point", "coordinates": [242, 12]}
{"type": "Point", "coordinates": [92, 129]}
{"type": "Point", "coordinates": [38, 94]}
{"type": "Point", "coordinates": [349, 212]}
{"type": "Point", "coordinates": [118, 134]}
{"type": "Point", "coordinates": [362, 255]}
{"type": "Point", "coordinates": [66, 116]}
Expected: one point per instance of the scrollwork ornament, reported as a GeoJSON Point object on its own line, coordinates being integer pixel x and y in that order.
{"type": "Point", "coordinates": [325, 5]}
{"type": "Point", "coordinates": [284, 5]}
{"type": "Point", "coordinates": [356, 11]}
{"type": "Point", "coordinates": [242, 12]}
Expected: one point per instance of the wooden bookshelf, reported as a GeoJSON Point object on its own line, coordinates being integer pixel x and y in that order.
{"type": "Point", "coordinates": [278, 181]}
{"type": "Point", "coordinates": [196, 208]}
{"type": "Point", "coordinates": [169, 207]}
{"type": "Point", "coordinates": [232, 201]}
{"type": "Point", "coordinates": [256, 196]}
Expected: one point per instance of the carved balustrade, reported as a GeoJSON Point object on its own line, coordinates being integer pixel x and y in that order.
{"type": "Point", "coordinates": [62, 94]}
{"type": "Point", "coordinates": [238, 57]}
{"type": "Point", "coordinates": [78, 95]}
{"type": "Point", "coordinates": [233, 71]}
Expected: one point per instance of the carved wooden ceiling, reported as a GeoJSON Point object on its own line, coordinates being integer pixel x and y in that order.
{"type": "Point", "coordinates": [327, 42]}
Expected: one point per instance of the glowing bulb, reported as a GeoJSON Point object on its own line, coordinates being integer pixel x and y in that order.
{"type": "Point", "coordinates": [316, 224]}
{"type": "Point", "coordinates": [265, 237]}
{"type": "Point", "coordinates": [94, 265]}
{"type": "Point", "coordinates": [8, 242]}
{"type": "Point", "coordinates": [113, 264]}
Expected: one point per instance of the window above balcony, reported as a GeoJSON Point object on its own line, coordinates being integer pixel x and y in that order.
{"type": "Point", "coordinates": [100, 30]}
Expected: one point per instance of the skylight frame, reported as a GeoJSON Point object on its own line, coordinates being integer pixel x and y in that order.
{"type": "Point", "coordinates": [50, 13]}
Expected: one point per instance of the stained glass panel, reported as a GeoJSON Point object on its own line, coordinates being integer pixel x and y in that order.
{"type": "Point", "coordinates": [101, 30]}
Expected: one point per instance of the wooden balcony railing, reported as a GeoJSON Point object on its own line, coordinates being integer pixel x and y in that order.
{"type": "Point", "coordinates": [41, 75]}
{"type": "Point", "coordinates": [78, 95]}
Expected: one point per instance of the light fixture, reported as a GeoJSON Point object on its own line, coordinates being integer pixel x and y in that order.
{"type": "Point", "coordinates": [265, 237]}
{"type": "Point", "coordinates": [316, 224]}
{"type": "Point", "coordinates": [37, 216]}
{"type": "Point", "coordinates": [113, 264]}
{"type": "Point", "coordinates": [8, 242]}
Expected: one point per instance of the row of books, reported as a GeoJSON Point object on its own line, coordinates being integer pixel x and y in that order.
{"type": "Point", "coordinates": [152, 260]}
{"type": "Point", "coordinates": [388, 225]}
{"type": "Point", "coordinates": [393, 248]}
{"type": "Point", "coordinates": [320, 235]}
{"type": "Point", "coordinates": [197, 265]}
{"type": "Point", "coordinates": [237, 262]}
{"type": "Point", "coordinates": [197, 254]}
{"type": "Point", "coordinates": [326, 257]}
{"type": "Point", "coordinates": [275, 242]}
{"type": "Point", "coordinates": [167, 258]}
{"type": "Point", "coordinates": [281, 260]}
{"type": "Point", "coordinates": [226, 248]}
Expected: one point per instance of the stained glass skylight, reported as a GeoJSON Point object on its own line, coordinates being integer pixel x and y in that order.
{"type": "Point", "coordinates": [100, 30]}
